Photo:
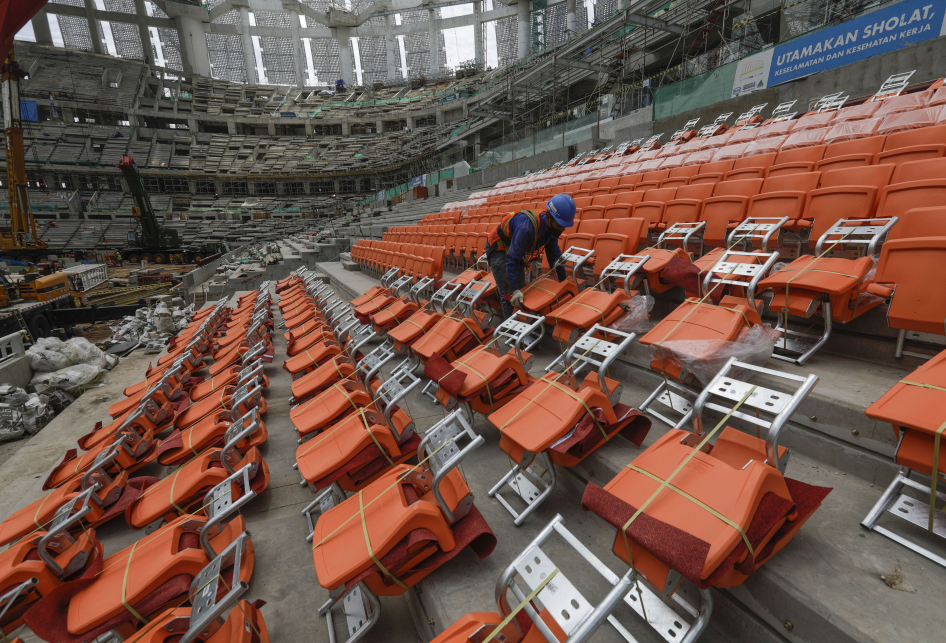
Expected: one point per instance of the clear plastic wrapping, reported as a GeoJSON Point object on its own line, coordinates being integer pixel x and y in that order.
{"type": "Point", "coordinates": [804, 138]}
{"type": "Point", "coordinates": [903, 103]}
{"type": "Point", "coordinates": [745, 135]}
{"type": "Point", "coordinates": [714, 142]}
{"type": "Point", "coordinates": [814, 121]}
{"type": "Point", "coordinates": [705, 358]}
{"type": "Point", "coordinates": [770, 145]}
{"type": "Point", "coordinates": [856, 112]}
{"type": "Point", "coordinates": [699, 158]}
{"type": "Point", "coordinates": [72, 379]}
{"type": "Point", "coordinates": [910, 120]}
{"type": "Point", "coordinates": [851, 130]}
{"type": "Point", "coordinates": [636, 315]}
{"type": "Point", "coordinates": [730, 152]}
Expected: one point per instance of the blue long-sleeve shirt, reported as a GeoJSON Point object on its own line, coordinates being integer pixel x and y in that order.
{"type": "Point", "coordinates": [521, 233]}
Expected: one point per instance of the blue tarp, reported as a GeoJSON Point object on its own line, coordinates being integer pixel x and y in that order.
{"type": "Point", "coordinates": [28, 111]}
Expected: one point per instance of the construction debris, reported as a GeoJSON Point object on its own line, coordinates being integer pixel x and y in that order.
{"type": "Point", "coordinates": [24, 413]}
{"type": "Point", "coordinates": [152, 326]}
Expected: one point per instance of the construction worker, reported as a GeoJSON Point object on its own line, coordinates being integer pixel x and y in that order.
{"type": "Point", "coordinates": [118, 256]}
{"type": "Point", "coordinates": [519, 239]}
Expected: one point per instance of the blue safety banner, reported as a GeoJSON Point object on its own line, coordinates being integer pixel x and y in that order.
{"type": "Point", "coordinates": [900, 25]}
{"type": "Point", "coordinates": [28, 111]}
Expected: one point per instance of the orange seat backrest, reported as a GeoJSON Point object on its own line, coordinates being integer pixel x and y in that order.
{"type": "Point", "coordinates": [803, 182]}
{"type": "Point", "coordinates": [629, 198]}
{"type": "Point", "coordinates": [617, 211]}
{"type": "Point", "coordinates": [847, 193]}
{"type": "Point", "coordinates": [920, 222]}
{"type": "Point", "coordinates": [684, 171]}
{"type": "Point", "coordinates": [622, 237]}
{"type": "Point", "coordinates": [875, 175]}
{"type": "Point", "coordinates": [582, 201]}
{"type": "Point", "coordinates": [717, 166]}
{"type": "Point", "coordinates": [688, 203]}
{"type": "Point", "coordinates": [603, 199]}
{"type": "Point", "coordinates": [909, 263]}
{"type": "Point", "coordinates": [745, 187]}
{"type": "Point", "coordinates": [921, 136]}
{"type": "Point", "coordinates": [920, 171]}
{"type": "Point", "coordinates": [593, 226]}
{"type": "Point", "coordinates": [810, 154]}
{"type": "Point", "coordinates": [656, 175]}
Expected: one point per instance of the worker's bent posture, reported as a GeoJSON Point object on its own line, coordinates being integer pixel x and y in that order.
{"type": "Point", "coordinates": [519, 239]}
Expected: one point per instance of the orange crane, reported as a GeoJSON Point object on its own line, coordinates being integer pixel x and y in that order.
{"type": "Point", "coordinates": [19, 239]}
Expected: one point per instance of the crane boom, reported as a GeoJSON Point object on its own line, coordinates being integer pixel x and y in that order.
{"type": "Point", "coordinates": [152, 235]}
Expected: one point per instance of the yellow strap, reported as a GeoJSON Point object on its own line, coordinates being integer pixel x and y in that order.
{"type": "Point", "coordinates": [39, 508]}
{"type": "Point", "coordinates": [397, 481]}
{"type": "Point", "coordinates": [922, 385]}
{"type": "Point", "coordinates": [570, 393]}
{"type": "Point", "coordinates": [574, 302]}
{"type": "Point", "coordinates": [520, 606]}
{"type": "Point", "coordinates": [364, 529]}
{"type": "Point", "coordinates": [699, 503]}
{"type": "Point", "coordinates": [364, 421]}
{"type": "Point", "coordinates": [680, 467]}
{"type": "Point", "coordinates": [125, 586]}
{"type": "Point", "coordinates": [174, 482]}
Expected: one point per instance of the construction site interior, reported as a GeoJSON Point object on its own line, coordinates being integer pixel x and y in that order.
{"type": "Point", "coordinates": [248, 308]}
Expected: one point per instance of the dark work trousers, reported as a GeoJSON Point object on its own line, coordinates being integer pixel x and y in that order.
{"type": "Point", "coordinates": [497, 264]}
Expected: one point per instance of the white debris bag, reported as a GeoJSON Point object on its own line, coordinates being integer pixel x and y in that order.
{"type": "Point", "coordinates": [705, 358]}
{"type": "Point", "coordinates": [82, 351]}
{"type": "Point", "coordinates": [72, 379]}
{"type": "Point", "coordinates": [635, 317]}
{"type": "Point", "coordinates": [45, 355]}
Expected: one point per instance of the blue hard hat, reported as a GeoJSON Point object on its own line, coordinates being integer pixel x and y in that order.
{"type": "Point", "coordinates": [562, 209]}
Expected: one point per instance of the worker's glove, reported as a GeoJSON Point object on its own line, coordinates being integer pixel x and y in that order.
{"type": "Point", "coordinates": [516, 299]}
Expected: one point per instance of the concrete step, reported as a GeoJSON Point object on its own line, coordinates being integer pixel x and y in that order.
{"type": "Point", "coordinates": [350, 265]}
{"type": "Point", "coordinates": [823, 586]}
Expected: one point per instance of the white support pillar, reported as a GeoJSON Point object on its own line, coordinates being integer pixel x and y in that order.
{"type": "Point", "coordinates": [143, 32]}
{"type": "Point", "coordinates": [392, 54]}
{"type": "Point", "coordinates": [298, 54]}
{"type": "Point", "coordinates": [345, 62]}
{"type": "Point", "coordinates": [433, 42]}
{"type": "Point", "coordinates": [571, 18]}
{"type": "Point", "coordinates": [97, 45]}
{"type": "Point", "coordinates": [196, 57]}
{"type": "Point", "coordinates": [478, 36]}
{"type": "Point", "coordinates": [41, 28]}
{"type": "Point", "coordinates": [249, 53]}
{"type": "Point", "coordinates": [525, 29]}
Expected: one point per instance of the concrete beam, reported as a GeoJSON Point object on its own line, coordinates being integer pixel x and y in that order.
{"type": "Point", "coordinates": [653, 23]}
{"type": "Point", "coordinates": [581, 64]}
{"type": "Point", "coordinates": [485, 114]}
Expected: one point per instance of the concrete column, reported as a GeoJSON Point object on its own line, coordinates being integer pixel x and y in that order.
{"type": "Point", "coordinates": [478, 36]}
{"type": "Point", "coordinates": [622, 5]}
{"type": "Point", "coordinates": [298, 54]}
{"type": "Point", "coordinates": [392, 57]}
{"type": "Point", "coordinates": [143, 33]}
{"type": "Point", "coordinates": [525, 29]}
{"type": "Point", "coordinates": [346, 128]}
{"type": "Point", "coordinates": [193, 45]}
{"type": "Point", "coordinates": [309, 130]}
{"type": "Point", "coordinates": [231, 128]}
{"type": "Point", "coordinates": [411, 122]}
{"type": "Point", "coordinates": [97, 45]}
{"type": "Point", "coordinates": [433, 42]}
{"type": "Point", "coordinates": [41, 28]}
{"type": "Point", "coordinates": [346, 64]}
{"type": "Point", "coordinates": [571, 18]}
{"type": "Point", "coordinates": [271, 128]}
{"type": "Point", "coordinates": [379, 126]}
{"type": "Point", "coordinates": [249, 53]}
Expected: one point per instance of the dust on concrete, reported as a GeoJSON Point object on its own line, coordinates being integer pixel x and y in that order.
{"type": "Point", "coordinates": [895, 580]}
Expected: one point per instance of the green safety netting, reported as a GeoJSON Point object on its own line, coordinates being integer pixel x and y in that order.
{"type": "Point", "coordinates": [698, 91]}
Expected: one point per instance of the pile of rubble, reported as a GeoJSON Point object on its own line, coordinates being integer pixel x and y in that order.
{"type": "Point", "coordinates": [154, 325]}
{"type": "Point", "coordinates": [23, 413]}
